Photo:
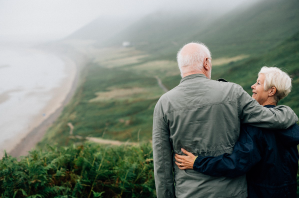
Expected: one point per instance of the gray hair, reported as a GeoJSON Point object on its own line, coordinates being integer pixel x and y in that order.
{"type": "Point", "coordinates": [193, 61]}
{"type": "Point", "coordinates": [274, 77]}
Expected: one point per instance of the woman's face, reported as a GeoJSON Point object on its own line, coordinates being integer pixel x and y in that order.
{"type": "Point", "coordinates": [258, 92]}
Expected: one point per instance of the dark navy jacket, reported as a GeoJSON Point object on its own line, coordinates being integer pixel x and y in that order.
{"type": "Point", "coordinates": [268, 157]}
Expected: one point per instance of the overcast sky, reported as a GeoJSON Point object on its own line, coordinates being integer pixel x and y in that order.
{"type": "Point", "coordinates": [54, 19]}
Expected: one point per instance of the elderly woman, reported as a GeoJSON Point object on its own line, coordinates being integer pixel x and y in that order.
{"type": "Point", "coordinates": [268, 157]}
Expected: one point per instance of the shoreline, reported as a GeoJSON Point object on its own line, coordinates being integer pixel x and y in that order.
{"type": "Point", "coordinates": [53, 108]}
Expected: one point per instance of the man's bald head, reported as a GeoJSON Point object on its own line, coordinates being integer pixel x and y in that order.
{"type": "Point", "coordinates": [192, 59]}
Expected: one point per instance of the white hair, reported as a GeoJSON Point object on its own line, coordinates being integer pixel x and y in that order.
{"type": "Point", "coordinates": [193, 61]}
{"type": "Point", "coordinates": [274, 77]}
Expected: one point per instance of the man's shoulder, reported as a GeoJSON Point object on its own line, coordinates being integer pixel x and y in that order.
{"type": "Point", "coordinates": [221, 87]}
{"type": "Point", "coordinates": [226, 88]}
{"type": "Point", "coordinates": [170, 94]}
{"type": "Point", "coordinates": [225, 83]}
{"type": "Point", "coordinates": [163, 99]}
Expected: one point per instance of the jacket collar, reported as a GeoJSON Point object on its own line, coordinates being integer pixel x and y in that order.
{"type": "Point", "coordinates": [269, 106]}
{"type": "Point", "coordinates": [193, 76]}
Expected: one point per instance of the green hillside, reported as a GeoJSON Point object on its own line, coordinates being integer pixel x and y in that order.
{"type": "Point", "coordinates": [120, 86]}
{"type": "Point", "coordinates": [254, 30]}
{"type": "Point", "coordinates": [119, 91]}
{"type": "Point", "coordinates": [246, 30]}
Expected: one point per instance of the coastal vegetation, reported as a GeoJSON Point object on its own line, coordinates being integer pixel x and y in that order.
{"type": "Point", "coordinates": [84, 171]}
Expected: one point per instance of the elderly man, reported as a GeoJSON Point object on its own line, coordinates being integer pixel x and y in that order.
{"type": "Point", "coordinates": [203, 116]}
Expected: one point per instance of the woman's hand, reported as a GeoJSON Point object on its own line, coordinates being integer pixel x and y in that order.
{"type": "Point", "coordinates": [185, 162]}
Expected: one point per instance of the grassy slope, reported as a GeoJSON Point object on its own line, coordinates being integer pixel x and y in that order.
{"type": "Point", "coordinates": [255, 29]}
{"type": "Point", "coordinates": [126, 116]}
{"type": "Point", "coordinates": [250, 30]}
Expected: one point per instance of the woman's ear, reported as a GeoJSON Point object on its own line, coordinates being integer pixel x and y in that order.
{"type": "Point", "coordinates": [272, 91]}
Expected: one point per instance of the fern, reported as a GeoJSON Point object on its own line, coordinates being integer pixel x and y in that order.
{"type": "Point", "coordinates": [89, 170]}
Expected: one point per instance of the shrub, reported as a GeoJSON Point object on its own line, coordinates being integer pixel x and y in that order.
{"type": "Point", "coordinates": [86, 171]}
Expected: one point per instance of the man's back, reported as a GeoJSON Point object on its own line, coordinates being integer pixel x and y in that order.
{"type": "Point", "coordinates": [203, 117]}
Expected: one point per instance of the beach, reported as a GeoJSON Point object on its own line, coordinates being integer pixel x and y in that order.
{"type": "Point", "coordinates": [29, 110]}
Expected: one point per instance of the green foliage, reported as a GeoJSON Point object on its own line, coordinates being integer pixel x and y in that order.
{"type": "Point", "coordinates": [85, 171]}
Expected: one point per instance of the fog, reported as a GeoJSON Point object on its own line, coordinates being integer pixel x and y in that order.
{"type": "Point", "coordinates": [44, 20]}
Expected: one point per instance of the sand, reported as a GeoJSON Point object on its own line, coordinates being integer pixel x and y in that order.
{"type": "Point", "coordinates": [62, 95]}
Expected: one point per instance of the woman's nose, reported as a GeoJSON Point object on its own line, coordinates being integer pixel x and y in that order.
{"type": "Point", "coordinates": [252, 86]}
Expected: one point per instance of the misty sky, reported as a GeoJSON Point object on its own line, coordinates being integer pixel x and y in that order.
{"type": "Point", "coordinates": [54, 19]}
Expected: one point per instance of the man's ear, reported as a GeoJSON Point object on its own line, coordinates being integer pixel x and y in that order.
{"type": "Point", "coordinates": [272, 91]}
{"type": "Point", "coordinates": [206, 64]}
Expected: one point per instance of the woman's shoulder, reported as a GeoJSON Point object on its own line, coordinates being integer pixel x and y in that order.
{"type": "Point", "coordinates": [256, 132]}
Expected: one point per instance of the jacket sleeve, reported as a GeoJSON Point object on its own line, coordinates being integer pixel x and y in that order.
{"type": "Point", "coordinates": [251, 112]}
{"type": "Point", "coordinates": [245, 155]}
{"type": "Point", "coordinates": [289, 137]}
{"type": "Point", "coordinates": [162, 152]}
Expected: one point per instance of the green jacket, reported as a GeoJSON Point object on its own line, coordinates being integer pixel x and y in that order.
{"type": "Point", "coordinates": [203, 116]}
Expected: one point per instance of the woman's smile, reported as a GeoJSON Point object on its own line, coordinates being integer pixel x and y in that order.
{"type": "Point", "coordinates": [258, 92]}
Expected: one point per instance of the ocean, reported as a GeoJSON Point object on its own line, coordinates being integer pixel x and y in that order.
{"type": "Point", "coordinates": [27, 79]}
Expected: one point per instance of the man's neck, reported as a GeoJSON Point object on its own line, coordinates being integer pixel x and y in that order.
{"type": "Point", "coordinates": [197, 72]}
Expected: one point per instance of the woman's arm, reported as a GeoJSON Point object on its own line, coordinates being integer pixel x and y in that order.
{"type": "Point", "coordinates": [246, 154]}
{"type": "Point", "coordinates": [290, 136]}
{"type": "Point", "coordinates": [251, 112]}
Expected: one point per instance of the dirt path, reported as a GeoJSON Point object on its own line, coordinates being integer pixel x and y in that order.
{"type": "Point", "coordinates": [161, 84]}
{"type": "Point", "coordinates": [98, 140]}
{"type": "Point", "coordinates": [111, 142]}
